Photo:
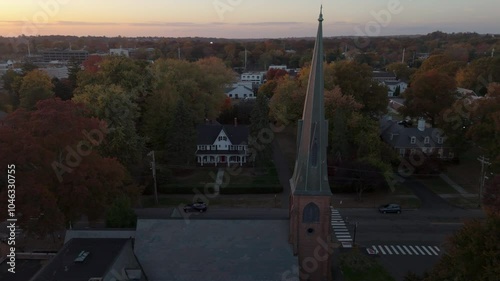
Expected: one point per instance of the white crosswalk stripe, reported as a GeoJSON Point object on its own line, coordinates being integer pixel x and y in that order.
{"type": "Point", "coordinates": [339, 227]}
{"type": "Point", "coordinates": [410, 250]}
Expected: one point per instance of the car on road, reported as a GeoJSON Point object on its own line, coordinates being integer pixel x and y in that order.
{"type": "Point", "coordinates": [196, 207]}
{"type": "Point", "coordinates": [390, 208]}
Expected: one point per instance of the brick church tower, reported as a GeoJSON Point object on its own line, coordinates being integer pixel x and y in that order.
{"type": "Point", "coordinates": [310, 196]}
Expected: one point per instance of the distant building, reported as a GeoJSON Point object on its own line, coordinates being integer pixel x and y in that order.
{"type": "Point", "coordinates": [222, 144]}
{"type": "Point", "coordinates": [59, 72]}
{"type": "Point", "coordinates": [93, 259]}
{"type": "Point", "coordinates": [119, 52]}
{"type": "Point", "coordinates": [66, 55]}
{"type": "Point", "coordinates": [282, 67]}
{"type": "Point", "coordinates": [256, 78]}
{"type": "Point", "coordinates": [382, 76]}
{"type": "Point", "coordinates": [240, 90]}
{"type": "Point", "coordinates": [392, 85]}
{"type": "Point", "coordinates": [408, 141]}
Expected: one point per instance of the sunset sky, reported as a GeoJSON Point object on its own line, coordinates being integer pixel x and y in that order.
{"type": "Point", "coordinates": [244, 18]}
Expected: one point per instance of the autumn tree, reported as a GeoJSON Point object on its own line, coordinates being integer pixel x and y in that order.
{"type": "Point", "coordinates": [478, 74]}
{"type": "Point", "coordinates": [485, 123]}
{"type": "Point", "coordinates": [401, 70]}
{"type": "Point", "coordinates": [356, 80]}
{"type": "Point", "coordinates": [471, 253]}
{"type": "Point", "coordinates": [60, 173]}
{"type": "Point", "coordinates": [118, 109]}
{"type": "Point", "coordinates": [36, 85]}
{"type": "Point", "coordinates": [199, 84]}
{"type": "Point", "coordinates": [429, 95]}
{"type": "Point", "coordinates": [491, 196]}
{"type": "Point", "coordinates": [442, 64]}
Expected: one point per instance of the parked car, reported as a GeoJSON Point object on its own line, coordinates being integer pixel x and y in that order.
{"type": "Point", "coordinates": [196, 207]}
{"type": "Point", "coordinates": [390, 208]}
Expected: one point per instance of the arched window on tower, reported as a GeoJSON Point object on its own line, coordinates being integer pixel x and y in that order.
{"type": "Point", "coordinates": [311, 213]}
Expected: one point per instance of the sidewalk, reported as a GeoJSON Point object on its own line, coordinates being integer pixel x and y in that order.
{"type": "Point", "coordinates": [455, 186]}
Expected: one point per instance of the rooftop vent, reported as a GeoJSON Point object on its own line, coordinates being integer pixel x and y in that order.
{"type": "Point", "coordinates": [82, 256]}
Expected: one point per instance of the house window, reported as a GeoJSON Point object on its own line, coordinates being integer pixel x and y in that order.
{"type": "Point", "coordinates": [214, 147]}
{"type": "Point", "coordinates": [413, 140]}
{"type": "Point", "coordinates": [222, 138]}
{"type": "Point", "coordinates": [402, 151]}
{"type": "Point", "coordinates": [230, 95]}
{"type": "Point", "coordinates": [440, 140]}
{"type": "Point", "coordinates": [426, 140]}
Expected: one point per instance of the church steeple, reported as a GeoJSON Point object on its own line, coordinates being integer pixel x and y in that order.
{"type": "Point", "coordinates": [310, 175]}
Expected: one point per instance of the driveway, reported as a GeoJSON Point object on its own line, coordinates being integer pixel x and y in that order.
{"type": "Point", "coordinates": [429, 199]}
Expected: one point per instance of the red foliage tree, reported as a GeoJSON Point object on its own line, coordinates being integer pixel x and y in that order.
{"type": "Point", "coordinates": [274, 74]}
{"type": "Point", "coordinates": [491, 196]}
{"type": "Point", "coordinates": [91, 64]}
{"type": "Point", "coordinates": [59, 174]}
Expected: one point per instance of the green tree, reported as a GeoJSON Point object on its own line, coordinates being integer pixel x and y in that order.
{"type": "Point", "coordinates": [356, 80]}
{"type": "Point", "coordinates": [472, 253]}
{"type": "Point", "coordinates": [35, 85]}
{"type": "Point", "coordinates": [259, 121]}
{"type": "Point", "coordinates": [429, 96]}
{"type": "Point", "coordinates": [113, 104]}
{"type": "Point", "coordinates": [121, 214]}
{"type": "Point", "coordinates": [181, 142]}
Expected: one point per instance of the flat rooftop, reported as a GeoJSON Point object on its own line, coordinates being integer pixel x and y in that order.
{"type": "Point", "coordinates": [211, 249]}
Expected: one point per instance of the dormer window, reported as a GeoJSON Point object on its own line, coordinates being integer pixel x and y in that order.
{"type": "Point", "coordinates": [413, 140]}
{"type": "Point", "coordinates": [440, 140]}
{"type": "Point", "coordinates": [222, 138]}
{"type": "Point", "coordinates": [426, 140]}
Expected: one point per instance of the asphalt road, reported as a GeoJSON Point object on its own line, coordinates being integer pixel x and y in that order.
{"type": "Point", "coordinates": [410, 241]}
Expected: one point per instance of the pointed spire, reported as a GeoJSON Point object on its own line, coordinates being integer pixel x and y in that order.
{"type": "Point", "coordinates": [310, 175]}
{"type": "Point", "coordinates": [320, 13]}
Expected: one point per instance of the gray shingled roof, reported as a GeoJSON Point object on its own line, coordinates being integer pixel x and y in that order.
{"type": "Point", "coordinates": [208, 133]}
{"type": "Point", "coordinates": [211, 249]}
{"type": "Point", "coordinates": [102, 255]}
{"type": "Point", "coordinates": [400, 137]}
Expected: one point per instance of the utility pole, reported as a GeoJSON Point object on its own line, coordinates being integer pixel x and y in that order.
{"type": "Point", "coordinates": [484, 161]}
{"type": "Point", "coordinates": [403, 59]}
{"type": "Point", "coordinates": [153, 168]}
{"type": "Point", "coordinates": [354, 235]}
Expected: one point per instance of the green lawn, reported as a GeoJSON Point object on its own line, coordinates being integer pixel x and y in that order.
{"type": "Point", "coordinates": [437, 185]}
{"type": "Point", "coordinates": [357, 266]}
{"type": "Point", "coordinates": [466, 203]}
{"type": "Point", "coordinates": [240, 202]}
{"type": "Point", "coordinates": [198, 176]}
{"type": "Point", "coordinates": [466, 174]}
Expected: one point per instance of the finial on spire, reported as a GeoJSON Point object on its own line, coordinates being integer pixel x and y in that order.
{"type": "Point", "coordinates": [321, 13]}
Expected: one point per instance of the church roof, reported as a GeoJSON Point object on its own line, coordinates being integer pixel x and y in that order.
{"type": "Point", "coordinates": [310, 175]}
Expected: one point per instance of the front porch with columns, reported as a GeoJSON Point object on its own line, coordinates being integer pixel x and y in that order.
{"type": "Point", "coordinates": [221, 160]}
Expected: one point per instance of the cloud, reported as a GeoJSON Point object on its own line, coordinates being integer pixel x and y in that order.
{"type": "Point", "coordinates": [270, 23]}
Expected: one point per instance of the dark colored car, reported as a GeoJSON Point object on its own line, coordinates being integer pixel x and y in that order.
{"type": "Point", "coordinates": [196, 207]}
{"type": "Point", "coordinates": [390, 208]}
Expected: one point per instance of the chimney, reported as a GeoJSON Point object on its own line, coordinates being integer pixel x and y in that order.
{"type": "Point", "coordinates": [235, 121]}
{"type": "Point", "coordinates": [421, 124]}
